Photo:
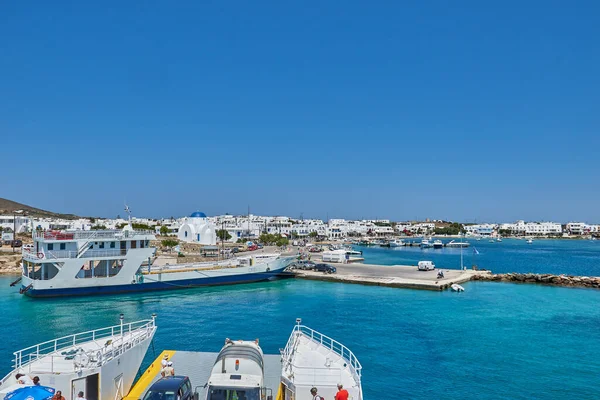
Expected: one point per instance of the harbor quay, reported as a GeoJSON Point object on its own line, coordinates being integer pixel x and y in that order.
{"type": "Point", "coordinates": [399, 276]}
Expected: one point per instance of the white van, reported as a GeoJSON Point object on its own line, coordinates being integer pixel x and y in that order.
{"type": "Point", "coordinates": [426, 266]}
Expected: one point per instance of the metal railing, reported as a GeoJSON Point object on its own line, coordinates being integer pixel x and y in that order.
{"type": "Point", "coordinates": [93, 234]}
{"type": "Point", "coordinates": [120, 338]}
{"type": "Point", "coordinates": [56, 254]}
{"type": "Point", "coordinates": [327, 342]}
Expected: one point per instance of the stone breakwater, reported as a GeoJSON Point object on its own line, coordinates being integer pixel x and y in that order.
{"type": "Point", "coordinates": [543, 279]}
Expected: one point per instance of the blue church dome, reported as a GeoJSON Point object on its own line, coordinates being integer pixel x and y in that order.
{"type": "Point", "coordinates": [198, 214]}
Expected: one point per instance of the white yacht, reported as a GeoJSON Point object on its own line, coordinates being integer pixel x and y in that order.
{"type": "Point", "coordinates": [311, 359]}
{"type": "Point", "coordinates": [397, 243]}
{"type": "Point", "coordinates": [65, 263]}
{"type": "Point", "coordinates": [454, 243]}
{"type": "Point", "coordinates": [101, 363]}
{"type": "Point", "coordinates": [426, 244]}
{"type": "Point", "coordinates": [529, 241]}
{"type": "Point", "coordinates": [438, 244]}
{"type": "Point", "coordinates": [498, 239]}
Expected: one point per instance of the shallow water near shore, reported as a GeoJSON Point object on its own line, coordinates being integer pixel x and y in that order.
{"type": "Point", "coordinates": [544, 256]}
{"type": "Point", "coordinates": [494, 341]}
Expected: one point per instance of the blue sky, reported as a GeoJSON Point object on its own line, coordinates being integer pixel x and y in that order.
{"type": "Point", "coordinates": [400, 110]}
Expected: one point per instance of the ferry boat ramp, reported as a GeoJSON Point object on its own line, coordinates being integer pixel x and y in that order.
{"type": "Point", "coordinates": [400, 276]}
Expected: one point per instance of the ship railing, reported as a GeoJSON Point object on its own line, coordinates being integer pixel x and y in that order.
{"type": "Point", "coordinates": [333, 345]}
{"type": "Point", "coordinates": [106, 344]}
{"type": "Point", "coordinates": [92, 234]}
{"type": "Point", "coordinates": [56, 254]}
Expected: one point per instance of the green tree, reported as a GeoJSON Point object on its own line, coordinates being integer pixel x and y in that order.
{"type": "Point", "coordinates": [164, 230]}
{"type": "Point", "coordinates": [169, 243]}
{"type": "Point", "coordinates": [282, 242]}
{"type": "Point", "coordinates": [98, 227]}
{"type": "Point", "coordinates": [313, 234]}
{"type": "Point", "coordinates": [223, 235]}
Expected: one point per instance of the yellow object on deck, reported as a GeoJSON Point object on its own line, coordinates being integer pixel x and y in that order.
{"type": "Point", "coordinates": [280, 392]}
{"type": "Point", "coordinates": [148, 376]}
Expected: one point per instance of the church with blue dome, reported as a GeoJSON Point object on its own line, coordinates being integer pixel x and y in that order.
{"type": "Point", "coordinates": [197, 229]}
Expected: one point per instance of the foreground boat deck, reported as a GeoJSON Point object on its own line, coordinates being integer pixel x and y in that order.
{"type": "Point", "coordinates": [197, 366]}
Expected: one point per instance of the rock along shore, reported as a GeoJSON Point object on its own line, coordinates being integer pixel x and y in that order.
{"type": "Point", "coordinates": [543, 279]}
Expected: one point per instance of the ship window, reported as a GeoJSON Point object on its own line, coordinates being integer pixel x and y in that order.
{"type": "Point", "coordinates": [133, 244]}
{"type": "Point", "coordinates": [63, 246]}
{"type": "Point", "coordinates": [50, 246]}
{"type": "Point", "coordinates": [112, 245]}
{"type": "Point", "coordinates": [141, 244]}
{"type": "Point", "coordinates": [101, 245]}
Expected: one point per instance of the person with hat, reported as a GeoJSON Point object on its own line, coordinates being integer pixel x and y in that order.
{"type": "Point", "coordinates": [313, 391]}
{"type": "Point", "coordinates": [168, 371]}
{"type": "Point", "coordinates": [164, 361]}
{"type": "Point", "coordinates": [342, 393]}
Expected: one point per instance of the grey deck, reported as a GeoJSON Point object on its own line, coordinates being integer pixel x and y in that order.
{"type": "Point", "coordinates": [197, 366]}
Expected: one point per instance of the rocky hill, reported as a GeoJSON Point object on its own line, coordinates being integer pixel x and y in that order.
{"type": "Point", "coordinates": [10, 207]}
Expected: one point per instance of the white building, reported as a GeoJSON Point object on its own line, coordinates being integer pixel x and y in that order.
{"type": "Point", "coordinates": [480, 229]}
{"type": "Point", "coordinates": [523, 228]}
{"type": "Point", "coordinates": [577, 228]}
{"type": "Point", "coordinates": [197, 229]}
{"type": "Point", "coordinates": [18, 222]}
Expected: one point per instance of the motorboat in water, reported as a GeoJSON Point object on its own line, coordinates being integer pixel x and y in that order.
{"type": "Point", "coordinates": [498, 239]}
{"type": "Point", "coordinates": [529, 241]}
{"type": "Point", "coordinates": [397, 243]}
{"type": "Point", "coordinates": [457, 288]}
{"type": "Point", "coordinates": [426, 244]}
{"type": "Point", "coordinates": [454, 243]}
{"type": "Point", "coordinates": [438, 244]}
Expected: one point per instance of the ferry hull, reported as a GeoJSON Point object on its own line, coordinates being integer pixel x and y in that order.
{"type": "Point", "coordinates": [156, 286]}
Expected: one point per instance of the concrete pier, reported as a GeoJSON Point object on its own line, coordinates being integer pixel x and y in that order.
{"type": "Point", "coordinates": [400, 276]}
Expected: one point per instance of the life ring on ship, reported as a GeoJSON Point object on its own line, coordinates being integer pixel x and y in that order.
{"type": "Point", "coordinates": [40, 255]}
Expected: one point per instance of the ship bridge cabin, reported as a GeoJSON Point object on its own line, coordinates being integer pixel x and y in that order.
{"type": "Point", "coordinates": [97, 253]}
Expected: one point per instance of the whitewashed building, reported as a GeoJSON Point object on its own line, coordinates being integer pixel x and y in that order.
{"type": "Point", "coordinates": [197, 229]}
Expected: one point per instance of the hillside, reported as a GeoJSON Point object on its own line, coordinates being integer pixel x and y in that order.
{"type": "Point", "coordinates": [9, 207]}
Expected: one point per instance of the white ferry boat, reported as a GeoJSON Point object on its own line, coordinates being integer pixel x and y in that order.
{"type": "Point", "coordinates": [66, 263]}
{"type": "Point", "coordinates": [102, 363]}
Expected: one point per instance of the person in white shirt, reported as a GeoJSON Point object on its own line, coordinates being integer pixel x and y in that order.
{"type": "Point", "coordinates": [24, 380]}
{"type": "Point", "coordinates": [164, 361]}
{"type": "Point", "coordinates": [80, 396]}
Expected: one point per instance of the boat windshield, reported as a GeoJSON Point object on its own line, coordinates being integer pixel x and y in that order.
{"type": "Point", "coordinates": [216, 393]}
{"type": "Point", "coordinates": [159, 395]}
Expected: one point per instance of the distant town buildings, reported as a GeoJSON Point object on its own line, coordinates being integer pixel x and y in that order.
{"type": "Point", "coordinates": [203, 229]}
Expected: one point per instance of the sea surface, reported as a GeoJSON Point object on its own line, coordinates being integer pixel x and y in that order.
{"type": "Point", "coordinates": [551, 256]}
{"type": "Point", "coordinates": [494, 341]}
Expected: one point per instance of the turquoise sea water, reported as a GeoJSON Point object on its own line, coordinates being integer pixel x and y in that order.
{"type": "Point", "coordinates": [494, 341]}
{"type": "Point", "coordinates": [575, 257]}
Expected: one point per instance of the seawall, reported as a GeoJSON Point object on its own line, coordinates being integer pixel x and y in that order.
{"type": "Point", "coordinates": [542, 279]}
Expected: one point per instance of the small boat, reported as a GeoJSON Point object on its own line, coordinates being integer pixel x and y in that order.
{"type": "Point", "coordinates": [499, 239]}
{"type": "Point", "coordinates": [492, 241]}
{"type": "Point", "coordinates": [384, 243]}
{"type": "Point", "coordinates": [426, 244]}
{"type": "Point", "coordinates": [478, 239]}
{"type": "Point", "coordinates": [529, 241]}
{"type": "Point", "coordinates": [438, 244]}
{"type": "Point", "coordinates": [454, 243]}
{"type": "Point", "coordinates": [457, 288]}
{"type": "Point", "coordinates": [397, 243]}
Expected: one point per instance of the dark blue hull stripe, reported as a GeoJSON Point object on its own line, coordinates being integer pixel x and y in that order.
{"type": "Point", "coordinates": [153, 286]}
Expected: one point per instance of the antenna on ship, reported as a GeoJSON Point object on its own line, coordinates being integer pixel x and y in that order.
{"type": "Point", "coordinates": [128, 211]}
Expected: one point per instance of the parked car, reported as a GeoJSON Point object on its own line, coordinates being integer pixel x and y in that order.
{"type": "Point", "coordinates": [235, 250]}
{"type": "Point", "coordinates": [16, 243]}
{"type": "Point", "coordinates": [171, 388]}
{"type": "Point", "coordinates": [303, 264]}
{"type": "Point", "coordinates": [28, 247]}
{"type": "Point", "coordinates": [325, 268]}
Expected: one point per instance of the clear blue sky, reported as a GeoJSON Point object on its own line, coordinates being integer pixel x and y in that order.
{"type": "Point", "coordinates": [402, 110]}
